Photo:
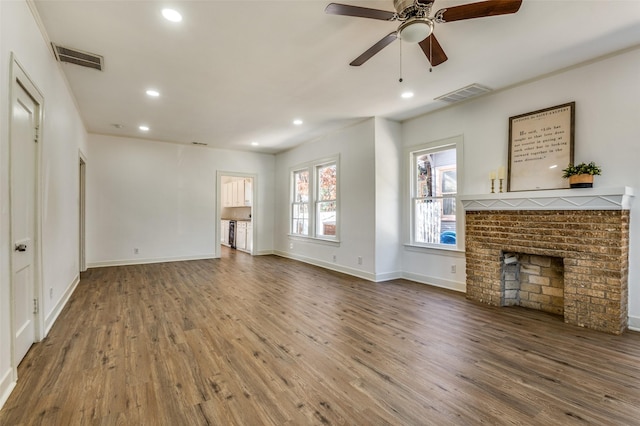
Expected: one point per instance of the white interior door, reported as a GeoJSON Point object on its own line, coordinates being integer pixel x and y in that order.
{"type": "Point", "coordinates": [23, 196]}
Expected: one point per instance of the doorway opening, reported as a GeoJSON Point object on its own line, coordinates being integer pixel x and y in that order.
{"type": "Point", "coordinates": [82, 178]}
{"type": "Point", "coordinates": [236, 211]}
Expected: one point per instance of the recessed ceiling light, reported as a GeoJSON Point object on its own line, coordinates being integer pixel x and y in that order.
{"type": "Point", "coordinates": [171, 15]}
{"type": "Point", "coordinates": [297, 122]}
{"type": "Point", "coordinates": [144, 128]}
{"type": "Point", "coordinates": [407, 95]}
{"type": "Point", "coordinates": [255, 143]}
{"type": "Point", "coordinates": [153, 93]}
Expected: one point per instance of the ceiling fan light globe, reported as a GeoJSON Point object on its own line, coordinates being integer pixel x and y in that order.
{"type": "Point", "coordinates": [415, 31]}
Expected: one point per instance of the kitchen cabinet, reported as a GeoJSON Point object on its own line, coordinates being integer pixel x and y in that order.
{"type": "Point", "coordinates": [238, 193]}
{"type": "Point", "coordinates": [249, 243]}
{"type": "Point", "coordinates": [224, 232]}
{"type": "Point", "coordinates": [241, 235]}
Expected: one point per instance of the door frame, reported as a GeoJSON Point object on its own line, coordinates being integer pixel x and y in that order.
{"type": "Point", "coordinates": [20, 77]}
{"type": "Point", "coordinates": [254, 207]}
{"type": "Point", "coordinates": [82, 210]}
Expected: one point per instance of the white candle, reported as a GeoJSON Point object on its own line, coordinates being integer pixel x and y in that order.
{"type": "Point", "coordinates": [501, 173]}
{"type": "Point", "coordinates": [492, 175]}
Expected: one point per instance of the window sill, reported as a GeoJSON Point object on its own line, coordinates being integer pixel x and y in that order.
{"type": "Point", "coordinates": [326, 241]}
{"type": "Point", "coordinates": [435, 249]}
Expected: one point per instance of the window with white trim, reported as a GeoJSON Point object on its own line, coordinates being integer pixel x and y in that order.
{"type": "Point", "coordinates": [434, 189]}
{"type": "Point", "coordinates": [314, 200]}
{"type": "Point", "coordinates": [300, 203]}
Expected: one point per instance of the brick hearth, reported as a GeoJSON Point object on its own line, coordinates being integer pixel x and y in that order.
{"type": "Point", "coordinates": [593, 245]}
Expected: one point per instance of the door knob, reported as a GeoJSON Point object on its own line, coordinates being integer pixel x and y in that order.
{"type": "Point", "coordinates": [21, 247]}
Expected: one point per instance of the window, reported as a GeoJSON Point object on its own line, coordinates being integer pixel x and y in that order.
{"type": "Point", "coordinates": [434, 189]}
{"type": "Point", "coordinates": [326, 200]}
{"type": "Point", "coordinates": [300, 205]}
{"type": "Point", "coordinates": [314, 203]}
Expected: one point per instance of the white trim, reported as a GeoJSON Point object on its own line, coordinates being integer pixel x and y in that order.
{"type": "Point", "coordinates": [125, 262]}
{"type": "Point", "coordinates": [436, 250]}
{"type": "Point", "coordinates": [82, 211]}
{"type": "Point", "coordinates": [343, 269]}
{"type": "Point", "coordinates": [326, 265]}
{"type": "Point", "coordinates": [7, 383]}
{"type": "Point", "coordinates": [254, 209]}
{"type": "Point", "coordinates": [19, 76]}
{"type": "Point", "coordinates": [559, 199]}
{"type": "Point", "coordinates": [312, 169]}
{"type": "Point", "coordinates": [55, 312]}
{"type": "Point", "coordinates": [388, 276]}
{"type": "Point", "coordinates": [634, 323]}
{"type": "Point", "coordinates": [436, 282]}
{"type": "Point", "coordinates": [308, 239]}
{"type": "Point", "coordinates": [408, 190]}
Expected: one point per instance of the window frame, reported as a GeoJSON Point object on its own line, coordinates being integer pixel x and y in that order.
{"type": "Point", "coordinates": [313, 168]}
{"type": "Point", "coordinates": [294, 202]}
{"type": "Point", "coordinates": [411, 154]}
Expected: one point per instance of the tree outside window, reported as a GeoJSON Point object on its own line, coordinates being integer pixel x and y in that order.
{"type": "Point", "coordinates": [314, 199]}
{"type": "Point", "coordinates": [300, 205]}
{"type": "Point", "coordinates": [327, 199]}
{"type": "Point", "coordinates": [434, 197]}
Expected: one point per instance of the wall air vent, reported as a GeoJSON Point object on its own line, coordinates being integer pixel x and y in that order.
{"type": "Point", "coordinates": [78, 57]}
{"type": "Point", "coordinates": [467, 92]}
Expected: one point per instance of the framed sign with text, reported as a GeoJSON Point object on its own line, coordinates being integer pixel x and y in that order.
{"type": "Point", "coordinates": [540, 146]}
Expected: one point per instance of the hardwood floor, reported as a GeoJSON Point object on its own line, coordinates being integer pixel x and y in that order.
{"type": "Point", "coordinates": [264, 340]}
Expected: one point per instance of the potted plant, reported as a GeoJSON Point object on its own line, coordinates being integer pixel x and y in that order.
{"type": "Point", "coordinates": [581, 175]}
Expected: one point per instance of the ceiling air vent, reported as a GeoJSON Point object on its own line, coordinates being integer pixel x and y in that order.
{"type": "Point", "coordinates": [78, 57]}
{"type": "Point", "coordinates": [470, 91]}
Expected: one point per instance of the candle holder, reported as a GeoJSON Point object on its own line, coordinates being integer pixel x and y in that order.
{"type": "Point", "coordinates": [501, 184]}
{"type": "Point", "coordinates": [492, 185]}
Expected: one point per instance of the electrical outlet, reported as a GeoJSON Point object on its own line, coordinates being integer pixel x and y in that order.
{"type": "Point", "coordinates": [136, 251]}
{"type": "Point", "coordinates": [359, 260]}
{"type": "Point", "coordinates": [335, 258]}
{"type": "Point", "coordinates": [453, 269]}
{"type": "Point", "coordinates": [51, 293]}
{"type": "Point", "coordinates": [290, 246]}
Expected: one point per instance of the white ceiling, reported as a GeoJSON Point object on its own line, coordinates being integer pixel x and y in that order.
{"type": "Point", "coordinates": [236, 72]}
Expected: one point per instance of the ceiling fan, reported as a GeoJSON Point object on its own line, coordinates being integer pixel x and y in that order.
{"type": "Point", "coordinates": [416, 25]}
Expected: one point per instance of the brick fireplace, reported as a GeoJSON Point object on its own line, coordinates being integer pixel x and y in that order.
{"type": "Point", "coordinates": [587, 231]}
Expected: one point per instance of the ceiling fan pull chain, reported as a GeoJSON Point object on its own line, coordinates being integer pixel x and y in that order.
{"type": "Point", "coordinates": [430, 53]}
{"type": "Point", "coordinates": [400, 80]}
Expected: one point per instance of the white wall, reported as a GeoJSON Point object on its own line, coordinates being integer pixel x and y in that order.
{"type": "Point", "coordinates": [63, 136]}
{"type": "Point", "coordinates": [388, 199]}
{"type": "Point", "coordinates": [607, 131]}
{"type": "Point", "coordinates": [356, 186]}
{"type": "Point", "coordinates": [161, 199]}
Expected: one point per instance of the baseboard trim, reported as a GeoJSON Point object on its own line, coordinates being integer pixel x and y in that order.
{"type": "Point", "coordinates": [436, 282]}
{"type": "Point", "coordinates": [126, 262]}
{"type": "Point", "coordinates": [634, 323]}
{"type": "Point", "coordinates": [388, 276]}
{"type": "Point", "coordinates": [53, 315]}
{"type": "Point", "coordinates": [326, 265]}
{"type": "Point", "coordinates": [7, 383]}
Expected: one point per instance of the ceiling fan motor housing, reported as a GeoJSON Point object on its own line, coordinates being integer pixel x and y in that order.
{"type": "Point", "coordinates": [411, 8]}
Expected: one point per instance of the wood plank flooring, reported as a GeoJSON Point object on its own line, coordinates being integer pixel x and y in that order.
{"type": "Point", "coordinates": [269, 341]}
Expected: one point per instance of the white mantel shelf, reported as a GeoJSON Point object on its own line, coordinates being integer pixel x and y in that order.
{"type": "Point", "coordinates": [618, 198]}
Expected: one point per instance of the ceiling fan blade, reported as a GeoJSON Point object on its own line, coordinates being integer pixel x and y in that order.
{"type": "Point", "coordinates": [360, 12]}
{"type": "Point", "coordinates": [433, 51]}
{"type": "Point", "coordinates": [478, 10]}
{"type": "Point", "coordinates": [374, 49]}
